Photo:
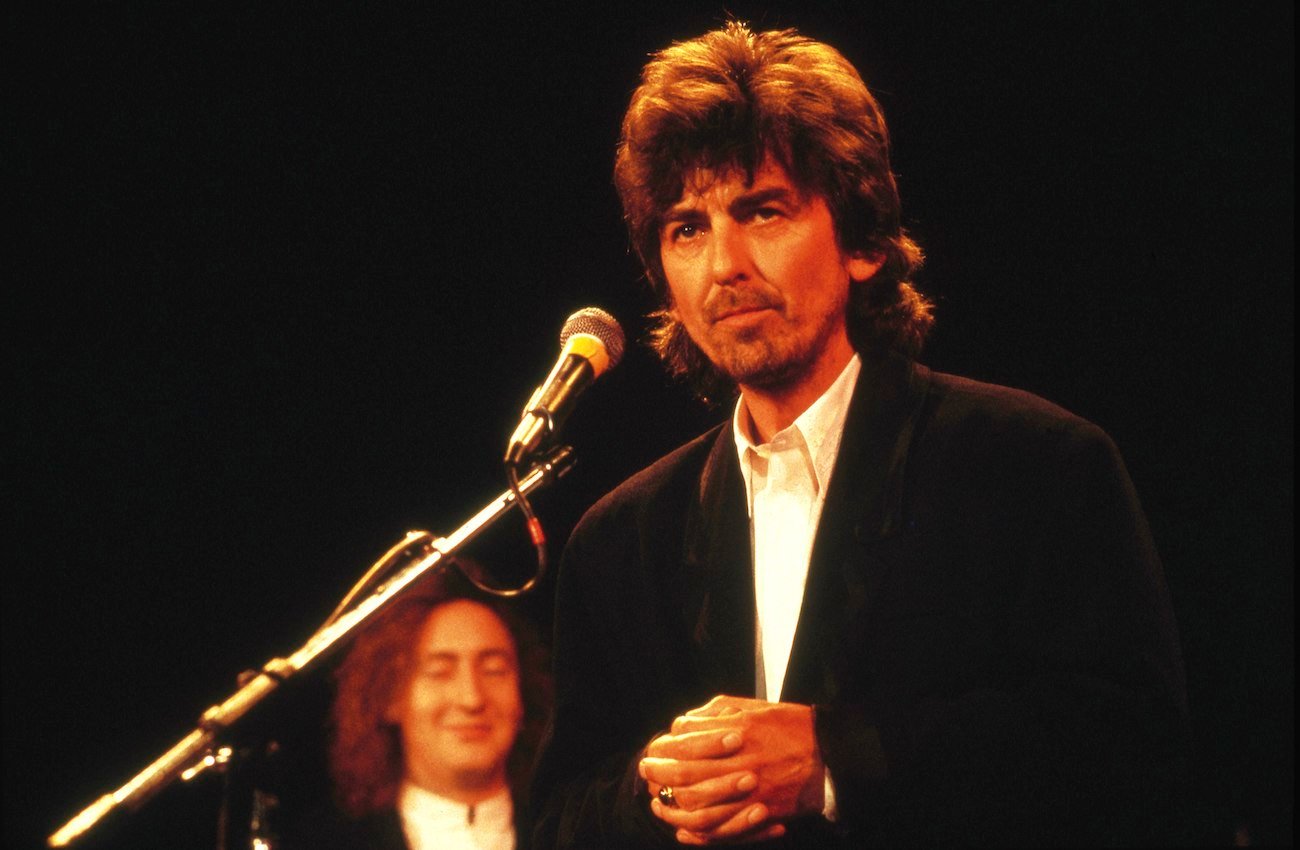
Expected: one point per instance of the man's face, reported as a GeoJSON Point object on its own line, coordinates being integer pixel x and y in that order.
{"type": "Point", "coordinates": [757, 277]}
{"type": "Point", "coordinates": [461, 711]}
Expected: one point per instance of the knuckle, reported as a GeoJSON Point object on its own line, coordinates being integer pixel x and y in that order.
{"type": "Point", "coordinates": [701, 821]}
{"type": "Point", "coordinates": [694, 821]}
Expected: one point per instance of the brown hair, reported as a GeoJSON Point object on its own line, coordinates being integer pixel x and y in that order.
{"type": "Point", "coordinates": [366, 750]}
{"type": "Point", "coordinates": [730, 98]}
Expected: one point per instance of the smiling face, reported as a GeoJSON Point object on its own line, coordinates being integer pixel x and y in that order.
{"type": "Point", "coordinates": [758, 280]}
{"type": "Point", "coordinates": [462, 709]}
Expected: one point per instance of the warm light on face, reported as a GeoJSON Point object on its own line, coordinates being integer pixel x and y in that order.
{"type": "Point", "coordinates": [757, 277]}
{"type": "Point", "coordinates": [462, 708]}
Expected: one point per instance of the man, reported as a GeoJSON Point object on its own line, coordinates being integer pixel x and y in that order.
{"type": "Point", "coordinates": [882, 605]}
{"type": "Point", "coordinates": [440, 705]}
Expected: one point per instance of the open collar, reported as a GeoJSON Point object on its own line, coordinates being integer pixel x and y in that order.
{"type": "Point", "coordinates": [863, 507]}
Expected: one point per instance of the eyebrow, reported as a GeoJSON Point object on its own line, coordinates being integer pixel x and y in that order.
{"type": "Point", "coordinates": [751, 200]}
{"type": "Point", "coordinates": [743, 203]}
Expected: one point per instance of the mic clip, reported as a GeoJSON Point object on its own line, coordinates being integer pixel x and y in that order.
{"type": "Point", "coordinates": [548, 429]}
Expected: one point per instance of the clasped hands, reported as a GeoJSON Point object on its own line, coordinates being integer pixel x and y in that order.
{"type": "Point", "coordinates": [738, 768]}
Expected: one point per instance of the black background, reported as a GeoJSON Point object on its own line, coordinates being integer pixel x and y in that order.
{"type": "Point", "coordinates": [281, 277]}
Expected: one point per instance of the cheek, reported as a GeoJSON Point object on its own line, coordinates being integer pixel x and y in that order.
{"type": "Point", "coordinates": [426, 699]}
{"type": "Point", "coordinates": [688, 308]}
{"type": "Point", "coordinates": [680, 278]}
{"type": "Point", "coordinates": [508, 701]}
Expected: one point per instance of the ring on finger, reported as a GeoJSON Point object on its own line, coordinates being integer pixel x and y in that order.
{"type": "Point", "coordinates": [666, 796]}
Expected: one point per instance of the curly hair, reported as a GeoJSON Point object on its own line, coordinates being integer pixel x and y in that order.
{"type": "Point", "coordinates": [728, 100]}
{"type": "Point", "coordinates": [366, 760]}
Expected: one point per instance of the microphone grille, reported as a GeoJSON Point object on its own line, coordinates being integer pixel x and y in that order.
{"type": "Point", "coordinates": [601, 325]}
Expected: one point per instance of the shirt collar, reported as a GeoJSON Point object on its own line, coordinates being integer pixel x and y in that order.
{"type": "Point", "coordinates": [818, 429]}
{"type": "Point", "coordinates": [428, 807]}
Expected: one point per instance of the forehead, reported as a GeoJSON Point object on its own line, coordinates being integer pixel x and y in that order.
{"type": "Point", "coordinates": [463, 627]}
{"type": "Point", "coordinates": [722, 185]}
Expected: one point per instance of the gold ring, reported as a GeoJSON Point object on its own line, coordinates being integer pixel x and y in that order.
{"type": "Point", "coordinates": [666, 796]}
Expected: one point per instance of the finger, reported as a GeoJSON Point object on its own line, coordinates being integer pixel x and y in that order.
{"type": "Point", "coordinates": [701, 821]}
{"type": "Point", "coordinates": [678, 773]}
{"type": "Point", "coordinates": [767, 833]}
{"type": "Point", "coordinates": [688, 723]}
{"type": "Point", "coordinates": [704, 744]}
{"type": "Point", "coordinates": [712, 792]}
{"type": "Point", "coordinates": [746, 821]}
{"type": "Point", "coordinates": [721, 704]}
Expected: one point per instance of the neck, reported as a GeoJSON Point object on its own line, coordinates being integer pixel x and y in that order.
{"type": "Point", "coordinates": [470, 790]}
{"type": "Point", "coordinates": [772, 409]}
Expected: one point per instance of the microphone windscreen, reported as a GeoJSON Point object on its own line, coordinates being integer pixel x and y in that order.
{"type": "Point", "coordinates": [596, 322]}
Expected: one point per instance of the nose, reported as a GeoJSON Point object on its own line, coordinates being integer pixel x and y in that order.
{"type": "Point", "coordinates": [729, 254]}
{"type": "Point", "coordinates": [467, 691]}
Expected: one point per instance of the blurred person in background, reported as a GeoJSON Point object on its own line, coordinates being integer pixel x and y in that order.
{"type": "Point", "coordinates": [439, 709]}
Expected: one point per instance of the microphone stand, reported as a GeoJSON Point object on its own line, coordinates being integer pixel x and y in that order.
{"type": "Point", "coordinates": [221, 717]}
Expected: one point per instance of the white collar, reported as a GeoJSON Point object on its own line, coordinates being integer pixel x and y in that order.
{"type": "Point", "coordinates": [818, 430]}
{"type": "Point", "coordinates": [426, 806]}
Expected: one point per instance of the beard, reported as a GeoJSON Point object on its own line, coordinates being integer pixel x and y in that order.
{"type": "Point", "coordinates": [763, 359]}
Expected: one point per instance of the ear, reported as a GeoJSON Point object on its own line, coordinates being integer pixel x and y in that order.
{"type": "Point", "coordinates": [862, 266]}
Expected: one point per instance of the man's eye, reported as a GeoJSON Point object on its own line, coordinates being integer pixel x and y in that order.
{"type": "Point", "coordinates": [685, 231]}
{"type": "Point", "coordinates": [766, 213]}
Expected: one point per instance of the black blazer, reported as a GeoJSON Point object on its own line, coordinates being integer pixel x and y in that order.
{"type": "Point", "coordinates": [330, 829]}
{"type": "Point", "coordinates": [986, 634]}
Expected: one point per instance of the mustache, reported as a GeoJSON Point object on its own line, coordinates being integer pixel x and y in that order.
{"type": "Point", "coordinates": [725, 301]}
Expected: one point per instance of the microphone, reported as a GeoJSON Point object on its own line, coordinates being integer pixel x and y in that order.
{"type": "Point", "coordinates": [591, 344]}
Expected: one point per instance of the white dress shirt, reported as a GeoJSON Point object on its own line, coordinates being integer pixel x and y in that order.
{"type": "Point", "coordinates": [431, 822]}
{"type": "Point", "coordinates": [785, 483]}
{"type": "Point", "coordinates": [786, 480]}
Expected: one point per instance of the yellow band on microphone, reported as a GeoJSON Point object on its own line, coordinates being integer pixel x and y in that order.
{"type": "Point", "coordinates": [589, 348]}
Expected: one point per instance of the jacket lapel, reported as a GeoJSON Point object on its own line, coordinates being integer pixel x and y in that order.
{"type": "Point", "coordinates": [718, 610]}
{"type": "Point", "coordinates": [863, 507]}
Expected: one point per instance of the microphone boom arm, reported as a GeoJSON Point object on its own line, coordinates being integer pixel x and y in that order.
{"type": "Point", "coordinates": [220, 717]}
